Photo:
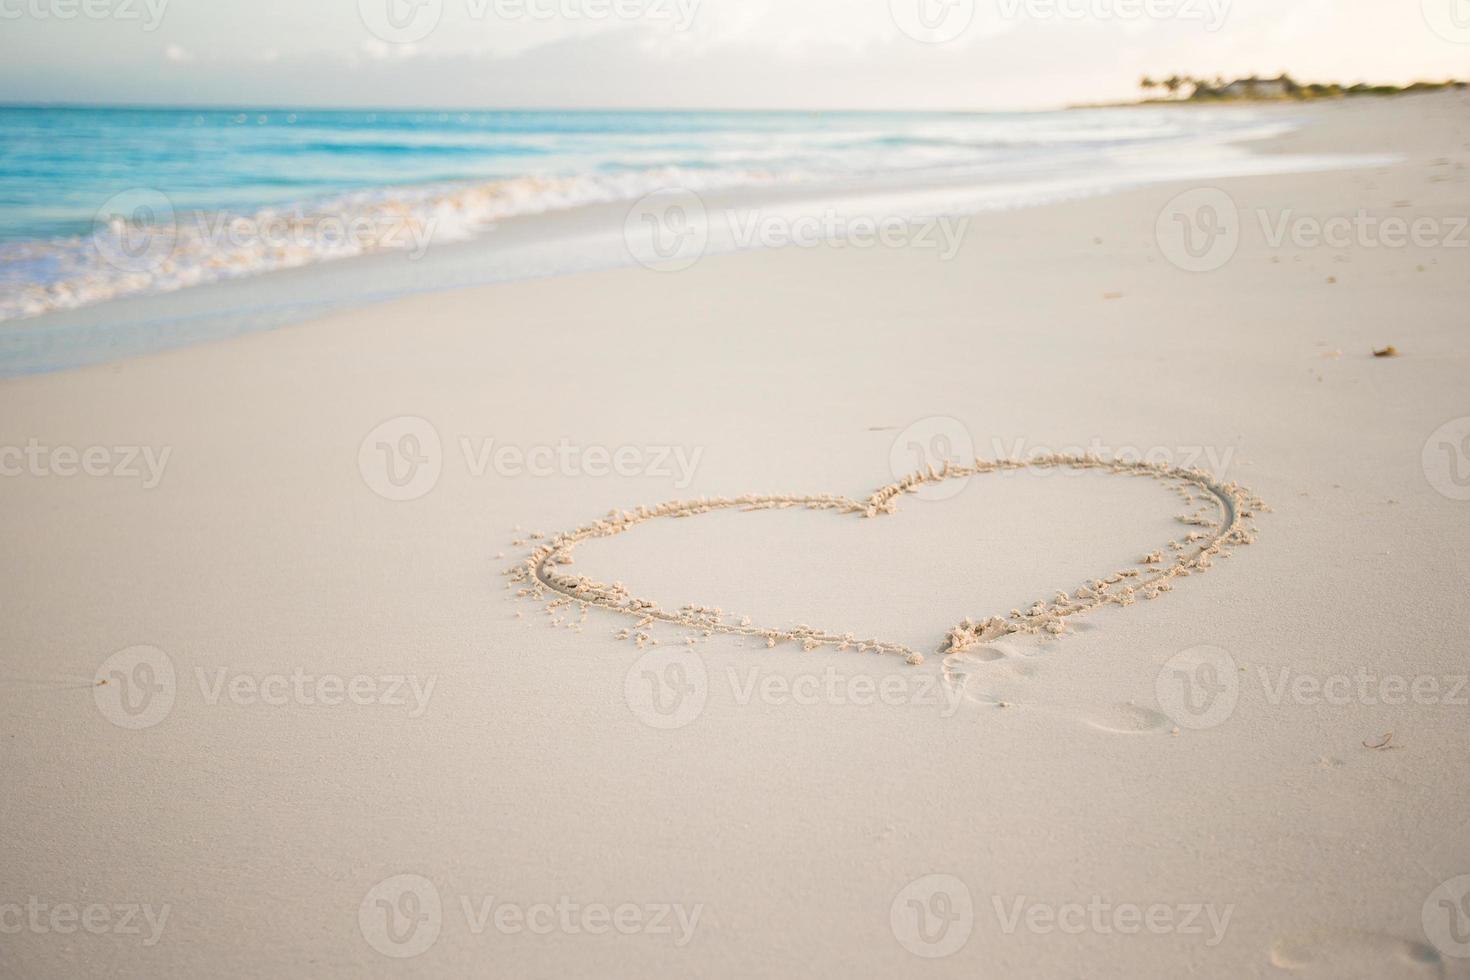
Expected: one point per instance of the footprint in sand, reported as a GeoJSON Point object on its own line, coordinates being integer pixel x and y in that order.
{"type": "Point", "coordinates": [1000, 674]}
{"type": "Point", "coordinates": [1130, 719]}
{"type": "Point", "coordinates": [1347, 954]}
{"type": "Point", "coordinates": [995, 674]}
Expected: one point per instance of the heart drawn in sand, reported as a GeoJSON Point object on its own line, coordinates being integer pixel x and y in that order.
{"type": "Point", "coordinates": [1222, 520]}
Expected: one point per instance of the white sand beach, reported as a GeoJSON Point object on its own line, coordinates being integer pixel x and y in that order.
{"type": "Point", "coordinates": [272, 707]}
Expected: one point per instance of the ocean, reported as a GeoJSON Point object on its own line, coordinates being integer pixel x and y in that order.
{"type": "Point", "coordinates": [100, 205]}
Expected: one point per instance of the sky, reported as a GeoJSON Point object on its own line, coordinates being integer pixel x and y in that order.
{"type": "Point", "coordinates": [732, 54]}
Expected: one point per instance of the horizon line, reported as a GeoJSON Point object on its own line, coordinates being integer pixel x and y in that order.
{"type": "Point", "coordinates": [246, 107]}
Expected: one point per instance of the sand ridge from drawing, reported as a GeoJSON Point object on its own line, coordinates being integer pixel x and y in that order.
{"type": "Point", "coordinates": [1223, 519]}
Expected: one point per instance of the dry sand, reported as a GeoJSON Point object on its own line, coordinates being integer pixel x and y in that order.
{"type": "Point", "coordinates": [570, 804]}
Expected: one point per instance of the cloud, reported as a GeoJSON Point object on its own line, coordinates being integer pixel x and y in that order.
{"type": "Point", "coordinates": [847, 54]}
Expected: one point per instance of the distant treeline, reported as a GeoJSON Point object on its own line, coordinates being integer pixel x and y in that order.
{"type": "Point", "coordinates": [1281, 87]}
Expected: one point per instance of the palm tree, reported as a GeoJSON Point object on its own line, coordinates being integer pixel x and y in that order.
{"type": "Point", "coordinates": [1147, 84]}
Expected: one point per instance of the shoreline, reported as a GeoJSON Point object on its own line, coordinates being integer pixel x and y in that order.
{"type": "Point", "coordinates": [566, 240]}
{"type": "Point", "coordinates": [341, 499]}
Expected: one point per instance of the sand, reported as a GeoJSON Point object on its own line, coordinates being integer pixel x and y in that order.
{"type": "Point", "coordinates": [332, 742]}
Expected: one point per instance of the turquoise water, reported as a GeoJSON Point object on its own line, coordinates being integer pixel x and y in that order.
{"type": "Point", "coordinates": [110, 217]}
{"type": "Point", "coordinates": [58, 166]}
